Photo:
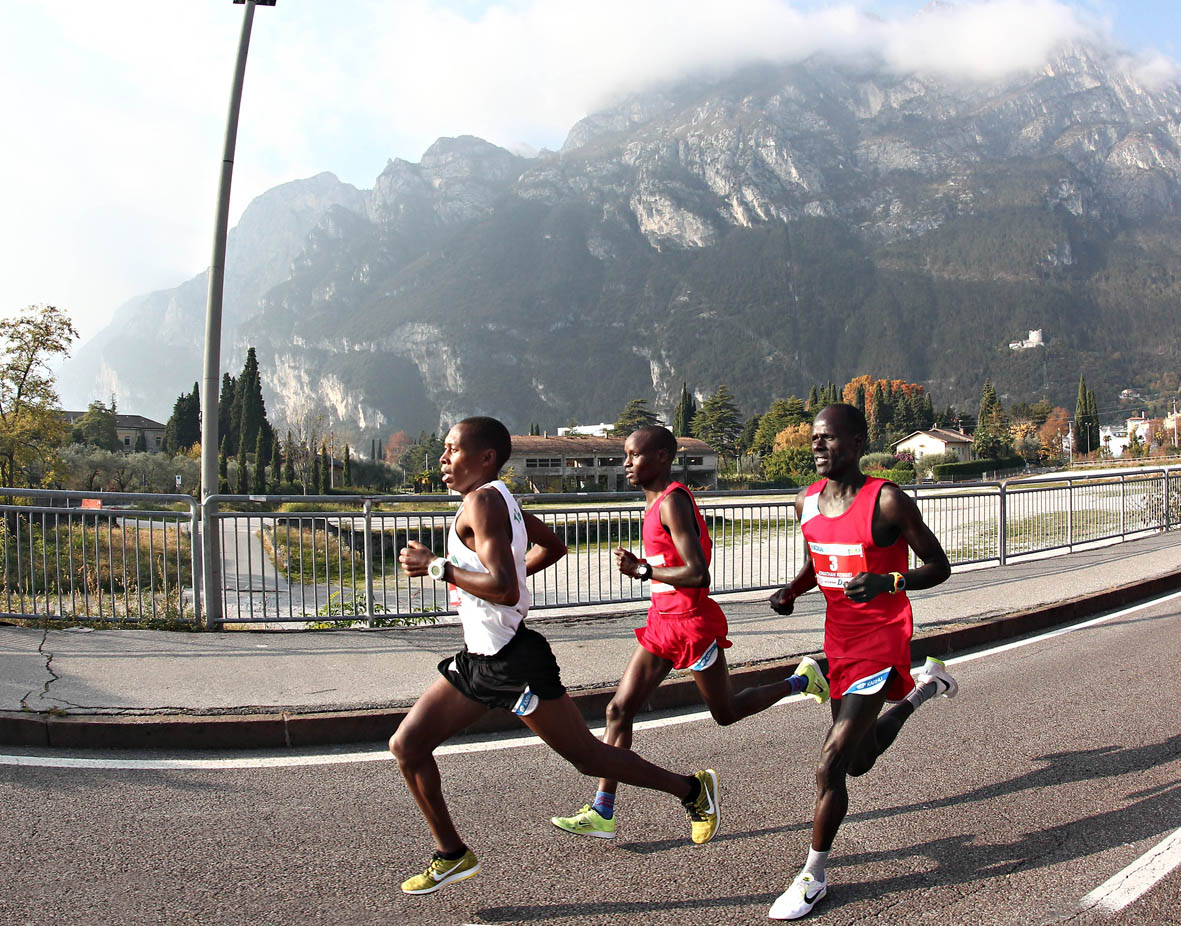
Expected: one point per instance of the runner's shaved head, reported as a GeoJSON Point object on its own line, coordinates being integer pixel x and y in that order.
{"type": "Point", "coordinates": [848, 418]}
{"type": "Point", "coordinates": [658, 438]}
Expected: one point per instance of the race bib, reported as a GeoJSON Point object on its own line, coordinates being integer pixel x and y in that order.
{"type": "Point", "coordinates": [836, 563]}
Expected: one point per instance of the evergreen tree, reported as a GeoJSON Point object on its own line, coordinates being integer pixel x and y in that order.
{"type": "Point", "coordinates": [1086, 419]}
{"type": "Point", "coordinates": [223, 469]}
{"type": "Point", "coordinates": [183, 429]}
{"type": "Point", "coordinates": [276, 465]}
{"type": "Point", "coordinates": [227, 424]}
{"type": "Point", "coordinates": [927, 415]}
{"type": "Point", "coordinates": [317, 476]}
{"type": "Point", "coordinates": [243, 471]}
{"type": "Point", "coordinates": [325, 470]}
{"type": "Point", "coordinates": [347, 475]}
{"type": "Point", "coordinates": [683, 416]}
{"type": "Point", "coordinates": [746, 439]}
{"type": "Point", "coordinates": [141, 441]}
{"type": "Point", "coordinates": [783, 413]}
{"type": "Point", "coordinates": [289, 462]}
{"type": "Point", "coordinates": [718, 422]}
{"type": "Point", "coordinates": [813, 399]}
{"type": "Point", "coordinates": [991, 411]}
{"type": "Point", "coordinates": [260, 465]}
{"type": "Point", "coordinates": [635, 415]}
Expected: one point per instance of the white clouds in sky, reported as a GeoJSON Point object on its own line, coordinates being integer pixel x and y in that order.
{"type": "Point", "coordinates": [116, 109]}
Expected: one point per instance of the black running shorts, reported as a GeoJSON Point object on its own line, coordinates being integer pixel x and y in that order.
{"type": "Point", "coordinates": [526, 661]}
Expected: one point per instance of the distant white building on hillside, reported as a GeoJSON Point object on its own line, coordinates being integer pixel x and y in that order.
{"type": "Point", "coordinates": [935, 440]}
{"type": "Point", "coordinates": [1034, 340]}
{"type": "Point", "coordinates": [602, 429]}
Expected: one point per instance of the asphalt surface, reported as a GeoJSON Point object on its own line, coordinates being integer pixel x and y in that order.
{"type": "Point", "coordinates": [1048, 774]}
{"type": "Point", "coordinates": [152, 689]}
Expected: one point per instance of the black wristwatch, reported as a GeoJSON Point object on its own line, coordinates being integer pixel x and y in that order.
{"type": "Point", "coordinates": [644, 570]}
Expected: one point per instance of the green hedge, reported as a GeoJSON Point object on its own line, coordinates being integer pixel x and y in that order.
{"type": "Point", "coordinates": [903, 474]}
{"type": "Point", "coordinates": [949, 472]}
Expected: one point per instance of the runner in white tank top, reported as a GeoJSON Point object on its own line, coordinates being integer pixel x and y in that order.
{"type": "Point", "coordinates": [488, 627]}
{"type": "Point", "coordinates": [488, 564]}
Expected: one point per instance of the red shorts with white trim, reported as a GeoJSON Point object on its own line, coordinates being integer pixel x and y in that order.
{"type": "Point", "coordinates": [683, 637]}
{"type": "Point", "coordinates": [860, 676]}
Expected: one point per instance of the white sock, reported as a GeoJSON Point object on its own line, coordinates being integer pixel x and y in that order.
{"type": "Point", "coordinates": [920, 694]}
{"type": "Point", "coordinates": [815, 864]}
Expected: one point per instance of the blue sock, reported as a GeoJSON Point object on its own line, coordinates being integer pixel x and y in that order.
{"type": "Point", "coordinates": [798, 684]}
{"type": "Point", "coordinates": [604, 804]}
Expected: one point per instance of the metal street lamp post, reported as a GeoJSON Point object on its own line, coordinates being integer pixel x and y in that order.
{"type": "Point", "coordinates": [212, 369]}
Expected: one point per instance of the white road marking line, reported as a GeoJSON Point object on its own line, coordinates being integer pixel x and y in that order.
{"type": "Point", "coordinates": [1123, 888]}
{"type": "Point", "coordinates": [380, 754]}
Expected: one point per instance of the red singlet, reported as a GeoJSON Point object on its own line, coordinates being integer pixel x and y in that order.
{"type": "Point", "coordinates": [860, 638]}
{"type": "Point", "coordinates": [683, 623]}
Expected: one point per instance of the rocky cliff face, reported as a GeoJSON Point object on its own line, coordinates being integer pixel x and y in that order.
{"type": "Point", "coordinates": [780, 227]}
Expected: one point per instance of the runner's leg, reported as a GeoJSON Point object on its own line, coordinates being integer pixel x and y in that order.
{"type": "Point", "coordinates": [850, 739]}
{"type": "Point", "coordinates": [440, 713]}
{"type": "Point", "coordinates": [644, 673]}
{"type": "Point", "coordinates": [559, 724]}
{"type": "Point", "coordinates": [726, 707]}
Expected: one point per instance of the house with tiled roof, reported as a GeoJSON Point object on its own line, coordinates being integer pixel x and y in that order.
{"type": "Point", "coordinates": [595, 464]}
{"type": "Point", "coordinates": [935, 440]}
{"type": "Point", "coordinates": [129, 427]}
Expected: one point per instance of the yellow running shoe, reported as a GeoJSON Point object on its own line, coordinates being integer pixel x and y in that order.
{"type": "Point", "coordinates": [587, 822]}
{"type": "Point", "coordinates": [817, 688]}
{"type": "Point", "coordinates": [704, 812]}
{"type": "Point", "coordinates": [442, 871]}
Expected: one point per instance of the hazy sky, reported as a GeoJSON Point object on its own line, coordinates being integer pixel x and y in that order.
{"type": "Point", "coordinates": [117, 108]}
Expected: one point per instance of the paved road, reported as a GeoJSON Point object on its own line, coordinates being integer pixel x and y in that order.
{"type": "Point", "coordinates": [1007, 805]}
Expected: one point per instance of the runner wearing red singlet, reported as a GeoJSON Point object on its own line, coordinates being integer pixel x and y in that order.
{"type": "Point", "coordinates": [858, 530]}
{"type": "Point", "coordinates": [685, 629]}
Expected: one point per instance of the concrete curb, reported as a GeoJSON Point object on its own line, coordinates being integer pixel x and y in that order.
{"type": "Point", "coordinates": [320, 728]}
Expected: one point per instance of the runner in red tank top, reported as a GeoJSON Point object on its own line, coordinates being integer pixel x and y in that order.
{"type": "Point", "coordinates": [685, 630]}
{"type": "Point", "coordinates": [858, 530]}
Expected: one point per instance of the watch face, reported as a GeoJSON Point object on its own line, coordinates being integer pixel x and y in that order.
{"type": "Point", "coordinates": [435, 569]}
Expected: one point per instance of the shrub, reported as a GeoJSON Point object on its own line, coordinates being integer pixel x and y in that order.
{"type": "Point", "coordinates": [878, 461]}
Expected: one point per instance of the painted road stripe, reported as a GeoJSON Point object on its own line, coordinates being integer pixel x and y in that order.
{"type": "Point", "coordinates": [380, 754]}
{"type": "Point", "coordinates": [1122, 889]}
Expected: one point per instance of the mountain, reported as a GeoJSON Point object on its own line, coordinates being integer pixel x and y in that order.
{"type": "Point", "coordinates": [779, 227]}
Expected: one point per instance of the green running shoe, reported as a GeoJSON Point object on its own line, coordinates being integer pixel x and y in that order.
{"type": "Point", "coordinates": [704, 813]}
{"type": "Point", "coordinates": [587, 822]}
{"type": "Point", "coordinates": [817, 688]}
{"type": "Point", "coordinates": [442, 871]}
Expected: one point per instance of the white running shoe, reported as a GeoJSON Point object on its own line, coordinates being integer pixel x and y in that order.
{"type": "Point", "coordinates": [934, 670]}
{"type": "Point", "coordinates": [799, 899]}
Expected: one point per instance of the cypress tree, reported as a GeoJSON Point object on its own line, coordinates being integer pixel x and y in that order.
{"type": "Point", "coordinates": [260, 465]}
{"type": "Point", "coordinates": [243, 471]}
{"type": "Point", "coordinates": [227, 425]}
{"type": "Point", "coordinates": [276, 464]}
{"type": "Point", "coordinates": [683, 416]}
{"type": "Point", "coordinates": [325, 470]}
{"type": "Point", "coordinates": [317, 481]}
{"type": "Point", "coordinates": [289, 462]}
{"type": "Point", "coordinates": [347, 476]}
{"type": "Point", "coordinates": [1082, 429]}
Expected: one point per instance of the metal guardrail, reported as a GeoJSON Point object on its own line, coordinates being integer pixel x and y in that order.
{"type": "Point", "coordinates": [265, 567]}
{"type": "Point", "coordinates": [63, 559]}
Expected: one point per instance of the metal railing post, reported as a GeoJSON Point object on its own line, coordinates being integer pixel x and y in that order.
{"type": "Point", "coordinates": [368, 509]}
{"type": "Point", "coordinates": [1069, 513]}
{"type": "Point", "coordinates": [1003, 534]}
{"type": "Point", "coordinates": [196, 536]}
{"type": "Point", "coordinates": [211, 548]}
{"type": "Point", "coordinates": [1123, 507]}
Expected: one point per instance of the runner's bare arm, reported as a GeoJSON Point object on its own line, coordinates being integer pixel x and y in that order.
{"type": "Point", "coordinates": [676, 514]}
{"type": "Point", "coordinates": [546, 547]}
{"type": "Point", "coordinates": [898, 515]}
{"type": "Point", "coordinates": [485, 518]}
{"type": "Point", "coordinates": [783, 601]}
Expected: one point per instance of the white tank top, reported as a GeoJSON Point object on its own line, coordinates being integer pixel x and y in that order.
{"type": "Point", "coordinates": [488, 627]}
